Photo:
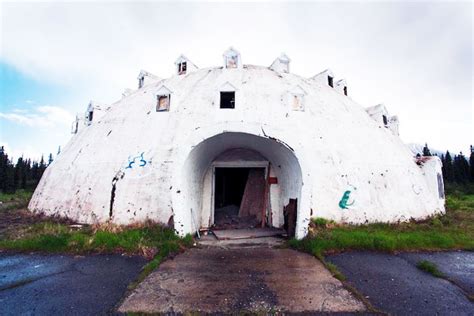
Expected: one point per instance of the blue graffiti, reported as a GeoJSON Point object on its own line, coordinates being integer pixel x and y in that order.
{"type": "Point", "coordinates": [345, 198]}
{"type": "Point", "coordinates": [132, 161]}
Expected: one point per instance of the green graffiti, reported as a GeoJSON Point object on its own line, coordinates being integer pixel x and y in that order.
{"type": "Point", "coordinates": [345, 198]}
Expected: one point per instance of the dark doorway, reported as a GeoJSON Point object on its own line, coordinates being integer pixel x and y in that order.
{"type": "Point", "coordinates": [290, 217]}
{"type": "Point", "coordinates": [239, 196]}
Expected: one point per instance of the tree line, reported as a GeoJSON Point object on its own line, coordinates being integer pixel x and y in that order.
{"type": "Point", "coordinates": [456, 169]}
{"type": "Point", "coordinates": [24, 174]}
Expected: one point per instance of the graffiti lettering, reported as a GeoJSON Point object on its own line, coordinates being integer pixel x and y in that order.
{"type": "Point", "coordinates": [345, 198]}
{"type": "Point", "coordinates": [132, 161]}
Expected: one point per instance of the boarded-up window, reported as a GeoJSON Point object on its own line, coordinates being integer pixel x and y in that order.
{"type": "Point", "coordinates": [227, 100]}
{"type": "Point", "coordinates": [297, 102]}
{"type": "Point", "coordinates": [163, 103]}
{"type": "Point", "coordinates": [440, 186]}
{"type": "Point", "coordinates": [182, 68]}
{"type": "Point", "coordinates": [232, 61]}
{"type": "Point", "coordinates": [331, 81]}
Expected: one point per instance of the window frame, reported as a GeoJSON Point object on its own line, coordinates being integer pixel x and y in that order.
{"type": "Point", "coordinates": [182, 67]}
{"type": "Point", "coordinates": [159, 97]}
{"type": "Point", "coordinates": [331, 81]}
{"type": "Point", "coordinates": [232, 100]}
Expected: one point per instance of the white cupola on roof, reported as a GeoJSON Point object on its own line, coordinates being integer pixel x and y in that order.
{"type": "Point", "coordinates": [380, 115]}
{"type": "Point", "coordinates": [281, 64]}
{"type": "Point", "coordinates": [145, 77]}
{"type": "Point", "coordinates": [184, 65]}
{"type": "Point", "coordinates": [325, 77]}
{"type": "Point", "coordinates": [232, 59]}
{"type": "Point", "coordinates": [341, 86]}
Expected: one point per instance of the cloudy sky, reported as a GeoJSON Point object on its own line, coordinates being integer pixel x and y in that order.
{"type": "Point", "coordinates": [416, 58]}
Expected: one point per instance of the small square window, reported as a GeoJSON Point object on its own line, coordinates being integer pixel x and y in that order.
{"type": "Point", "coordinates": [297, 102]}
{"type": "Point", "coordinates": [331, 81]}
{"type": "Point", "coordinates": [232, 61]}
{"type": "Point", "coordinates": [182, 68]}
{"type": "Point", "coordinates": [227, 100]}
{"type": "Point", "coordinates": [163, 103]}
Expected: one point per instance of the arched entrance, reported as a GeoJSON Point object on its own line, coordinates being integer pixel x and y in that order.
{"type": "Point", "coordinates": [281, 169]}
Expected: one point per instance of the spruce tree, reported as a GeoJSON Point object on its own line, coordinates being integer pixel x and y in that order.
{"type": "Point", "coordinates": [3, 168]}
{"type": "Point", "coordinates": [471, 164]}
{"type": "Point", "coordinates": [426, 150]}
{"type": "Point", "coordinates": [448, 168]}
{"type": "Point", "coordinates": [460, 169]}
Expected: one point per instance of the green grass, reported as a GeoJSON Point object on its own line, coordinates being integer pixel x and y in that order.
{"type": "Point", "coordinates": [54, 237]}
{"type": "Point", "coordinates": [19, 199]}
{"type": "Point", "coordinates": [454, 230]}
{"type": "Point", "coordinates": [429, 267]}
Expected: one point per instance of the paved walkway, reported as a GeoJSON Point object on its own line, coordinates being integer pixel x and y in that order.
{"type": "Point", "coordinates": [33, 284]}
{"type": "Point", "coordinates": [255, 279]}
{"type": "Point", "coordinates": [393, 283]}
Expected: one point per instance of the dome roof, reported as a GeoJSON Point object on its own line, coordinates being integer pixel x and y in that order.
{"type": "Point", "coordinates": [147, 156]}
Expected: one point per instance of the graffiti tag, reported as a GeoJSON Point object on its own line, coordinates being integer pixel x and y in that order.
{"type": "Point", "coordinates": [343, 203]}
{"type": "Point", "coordinates": [133, 160]}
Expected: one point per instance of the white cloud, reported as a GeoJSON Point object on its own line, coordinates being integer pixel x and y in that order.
{"type": "Point", "coordinates": [414, 57]}
{"type": "Point", "coordinates": [42, 116]}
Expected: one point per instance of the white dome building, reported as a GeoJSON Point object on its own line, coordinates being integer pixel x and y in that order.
{"type": "Point", "coordinates": [278, 147]}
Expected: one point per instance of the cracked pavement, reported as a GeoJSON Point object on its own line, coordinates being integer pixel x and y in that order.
{"type": "Point", "coordinates": [254, 279]}
{"type": "Point", "coordinates": [34, 284]}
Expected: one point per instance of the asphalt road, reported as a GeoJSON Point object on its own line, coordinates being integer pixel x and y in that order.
{"type": "Point", "coordinates": [393, 283]}
{"type": "Point", "coordinates": [32, 284]}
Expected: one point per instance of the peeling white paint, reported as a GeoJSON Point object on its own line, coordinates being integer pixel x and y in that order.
{"type": "Point", "coordinates": [331, 147]}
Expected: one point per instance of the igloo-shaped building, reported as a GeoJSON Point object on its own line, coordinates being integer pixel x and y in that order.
{"type": "Point", "coordinates": [280, 147]}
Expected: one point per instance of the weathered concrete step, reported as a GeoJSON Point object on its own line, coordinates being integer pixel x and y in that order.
{"type": "Point", "coordinates": [232, 234]}
{"type": "Point", "coordinates": [263, 242]}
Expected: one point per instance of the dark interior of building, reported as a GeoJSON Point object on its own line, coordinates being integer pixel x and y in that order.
{"type": "Point", "coordinates": [236, 188]}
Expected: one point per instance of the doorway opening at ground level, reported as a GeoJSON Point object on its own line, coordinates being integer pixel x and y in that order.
{"type": "Point", "coordinates": [239, 200]}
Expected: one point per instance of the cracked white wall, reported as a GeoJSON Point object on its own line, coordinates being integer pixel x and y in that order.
{"type": "Point", "coordinates": [333, 142]}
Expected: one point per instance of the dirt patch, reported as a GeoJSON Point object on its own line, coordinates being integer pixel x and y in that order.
{"type": "Point", "coordinates": [14, 222]}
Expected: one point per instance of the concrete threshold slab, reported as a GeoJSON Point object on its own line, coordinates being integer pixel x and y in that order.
{"type": "Point", "coordinates": [231, 234]}
{"type": "Point", "coordinates": [256, 280]}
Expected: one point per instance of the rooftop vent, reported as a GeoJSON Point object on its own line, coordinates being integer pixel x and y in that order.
{"type": "Point", "coordinates": [232, 59]}
{"type": "Point", "coordinates": [184, 65]}
{"type": "Point", "coordinates": [341, 86]}
{"type": "Point", "coordinates": [281, 64]}
{"type": "Point", "coordinates": [145, 77]}
{"type": "Point", "coordinates": [325, 77]}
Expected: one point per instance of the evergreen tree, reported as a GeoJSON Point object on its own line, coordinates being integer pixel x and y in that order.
{"type": "Point", "coordinates": [448, 168]}
{"type": "Point", "coordinates": [3, 168]}
{"type": "Point", "coordinates": [50, 159]}
{"type": "Point", "coordinates": [426, 150]}
{"type": "Point", "coordinates": [471, 164]}
{"type": "Point", "coordinates": [460, 169]}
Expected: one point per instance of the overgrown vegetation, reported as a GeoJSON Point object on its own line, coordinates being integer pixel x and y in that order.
{"type": "Point", "coordinates": [453, 230]}
{"type": "Point", "coordinates": [429, 267]}
{"type": "Point", "coordinates": [149, 240]}
{"type": "Point", "coordinates": [19, 199]}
